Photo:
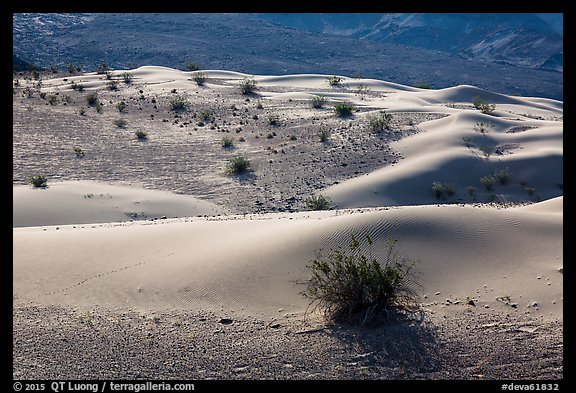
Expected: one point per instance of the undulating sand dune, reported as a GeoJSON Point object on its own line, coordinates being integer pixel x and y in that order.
{"type": "Point", "coordinates": [79, 244]}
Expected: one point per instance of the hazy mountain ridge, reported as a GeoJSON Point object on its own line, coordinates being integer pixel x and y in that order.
{"type": "Point", "coordinates": [526, 40]}
{"type": "Point", "coordinates": [242, 42]}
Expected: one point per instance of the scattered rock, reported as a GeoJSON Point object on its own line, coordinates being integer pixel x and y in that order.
{"type": "Point", "coordinates": [225, 321]}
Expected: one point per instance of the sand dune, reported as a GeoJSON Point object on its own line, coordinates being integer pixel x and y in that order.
{"type": "Point", "coordinates": [81, 202]}
{"type": "Point", "coordinates": [81, 244]}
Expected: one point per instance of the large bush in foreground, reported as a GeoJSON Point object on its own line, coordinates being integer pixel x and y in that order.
{"type": "Point", "coordinates": [352, 286]}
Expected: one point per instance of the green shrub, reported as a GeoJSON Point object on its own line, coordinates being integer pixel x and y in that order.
{"type": "Point", "coordinates": [379, 122]}
{"type": "Point", "coordinates": [482, 127]}
{"type": "Point", "coordinates": [362, 90]}
{"type": "Point", "coordinates": [227, 142]}
{"type": "Point", "coordinates": [79, 152]}
{"type": "Point", "coordinates": [488, 182]}
{"type": "Point", "coordinates": [437, 189]}
{"type": "Point", "coordinates": [471, 190]}
{"type": "Point", "coordinates": [317, 101]}
{"type": "Point", "coordinates": [334, 80]}
{"type": "Point", "coordinates": [121, 106]}
{"type": "Point", "coordinates": [112, 85]}
{"type": "Point", "coordinates": [467, 141]}
{"type": "Point", "coordinates": [423, 85]}
{"type": "Point", "coordinates": [92, 99]}
{"type": "Point", "coordinates": [52, 99]}
{"type": "Point", "coordinates": [503, 175]}
{"type": "Point", "coordinates": [487, 149]}
{"type": "Point", "coordinates": [482, 105]}
{"type": "Point", "coordinates": [120, 123]}
{"type": "Point", "coordinates": [199, 78]}
{"type": "Point", "coordinates": [354, 287]}
{"type": "Point", "coordinates": [274, 119]}
{"type": "Point", "coordinates": [207, 115]}
{"type": "Point", "coordinates": [179, 102]}
{"type": "Point", "coordinates": [127, 77]}
{"type": "Point", "coordinates": [103, 68]}
{"type": "Point", "coordinates": [248, 85]}
{"type": "Point", "coordinates": [344, 109]}
{"type": "Point", "coordinates": [192, 66]}
{"type": "Point", "coordinates": [77, 86]}
{"type": "Point", "coordinates": [324, 134]}
{"type": "Point", "coordinates": [82, 111]}
{"type": "Point", "coordinates": [39, 181]}
{"type": "Point", "coordinates": [141, 135]}
{"type": "Point", "coordinates": [238, 164]}
{"type": "Point", "coordinates": [319, 202]}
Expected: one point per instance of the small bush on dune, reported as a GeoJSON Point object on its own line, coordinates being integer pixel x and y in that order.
{"type": "Point", "coordinates": [39, 181]}
{"type": "Point", "coordinates": [344, 109]}
{"type": "Point", "coordinates": [179, 102]}
{"type": "Point", "coordinates": [334, 80]}
{"type": "Point", "coordinates": [488, 182]}
{"type": "Point", "coordinates": [503, 175]}
{"type": "Point", "coordinates": [238, 165]}
{"type": "Point", "coordinates": [120, 123]}
{"type": "Point", "coordinates": [319, 202]}
{"type": "Point", "coordinates": [354, 287]}
{"type": "Point", "coordinates": [379, 122]}
{"type": "Point", "coordinates": [324, 134]}
{"type": "Point", "coordinates": [92, 99]}
{"type": "Point", "coordinates": [317, 101]}
{"type": "Point", "coordinates": [483, 106]}
{"type": "Point", "coordinates": [227, 142]}
{"type": "Point", "coordinates": [141, 135]}
{"type": "Point", "coordinates": [199, 78]}
{"type": "Point", "coordinates": [248, 85]}
{"type": "Point", "coordinates": [127, 78]}
{"type": "Point", "coordinates": [121, 106]}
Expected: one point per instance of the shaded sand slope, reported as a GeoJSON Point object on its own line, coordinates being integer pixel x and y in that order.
{"type": "Point", "coordinates": [256, 264]}
{"type": "Point", "coordinates": [83, 202]}
{"type": "Point", "coordinates": [453, 150]}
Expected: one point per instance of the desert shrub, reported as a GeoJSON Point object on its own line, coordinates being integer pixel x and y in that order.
{"type": "Point", "coordinates": [92, 99]}
{"type": "Point", "coordinates": [99, 108]}
{"type": "Point", "coordinates": [199, 78]}
{"type": "Point", "coordinates": [141, 135]}
{"type": "Point", "coordinates": [324, 134]}
{"type": "Point", "coordinates": [77, 86]}
{"type": "Point", "coordinates": [192, 66]}
{"type": "Point", "coordinates": [28, 92]}
{"type": "Point", "coordinates": [103, 68]}
{"type": "Point", "coordinates": [72, 69]}
{"type": "Point", "coordinates": [482, 127]}
{"type": "Point", "coordinates": [179, 102]}
{"type": "Point", "coordinates": [423, 85]}
{"type": "Point", "coordinates": [79, 152]}
{"type": "Point", "coordinates": [274, 119]}
{"type": "Point", "coordinates": [487, 149]}
{"type": "Point", "coordinates": [344, 109]}
{"type": "Point", "coordinates": [39, 181]}
{"type": "Point", "coordinates": [488, 182]}
{"type": "Point", "coordinates": [121, 106]}
{"type": "Point", "coordinates": [238, 164]}
{"type": "Point", "coordinates": [351, 286]}
{"type": "Point", "coordinates": [112, 85]}
{"type": "Point", "coordinates": [530, 190]}
{"type": "Point", "coordinates": [42, 95]}
{"type": "Point", "coordinates": [207, 115]}
{"type": "Point", "coordinates": [483, 106]}
{"type": "Point", "coordinates": [317, 101]}
{"type": "Point", "coordinates": [471, 190]}
{"type": "Point", "coordinates": [379, 122]}
{"type": "Point", "coordinates": [362, 90]}
{"type": "Point", "coordinates": [334, 80]}
{"type": "Point", "coordinates": [467, 141]}
{"type": "Point", "coordinates": [82, 111]}
{"type": "Point", "coordinates": [127, 77]}
{"type": "Point", "coordinates": [248, 85]}
{"type": "Point", "coordinates": [503, 175]}
{"type": "Point", "coordinates": [52, 99]}
{"type": "Point", "coordinates": [319, 202]}
{"type": "Point", "coordinates": [120, 123]}
{"type": "Point", "coordinates": [437, 189]}
{"type": "Point", "coordinates": [227, 142]}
